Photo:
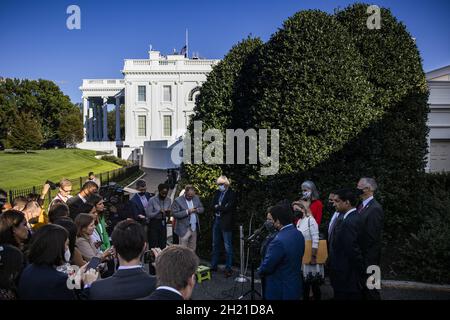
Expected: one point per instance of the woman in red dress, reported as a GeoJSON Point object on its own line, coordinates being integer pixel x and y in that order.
{"type": "Point", "coordinates": [309, 192]}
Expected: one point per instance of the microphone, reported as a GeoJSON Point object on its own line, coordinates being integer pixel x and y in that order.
{"type": "Point", "coordinates": [256, 234]}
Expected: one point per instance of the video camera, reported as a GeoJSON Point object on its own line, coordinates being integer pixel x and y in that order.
{"type": "Point", "coordinates": [115, 201]}
{"type": "Point", "coordinates": [53, 185]}
{"type": "Point", "coordinates": [112, 194]}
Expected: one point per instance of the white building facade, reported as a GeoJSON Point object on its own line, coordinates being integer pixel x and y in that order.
{"type": "Point", "coordinates": [159, 96]}
{"type": "Point", "coordinates": [439, 120]}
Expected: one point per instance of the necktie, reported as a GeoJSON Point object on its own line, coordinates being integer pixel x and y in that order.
{"type": "Point", "coordinates": [360, 207]}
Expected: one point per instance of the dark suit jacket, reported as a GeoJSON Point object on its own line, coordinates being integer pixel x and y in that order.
{"type": "Point", "coordinates": [227, 209]}
{"type": "Point", "coordinates": [77, 206]}
{"type": "Point", "coordinates": [282, 265]}
{"type": "Point", "coordinates": [163, 294]}
{"type": "Point", "coordinates": [372, 221]}
{"type": "Point", "coordinates": [123, 285]}
{"type": "Point", "coordinates": [345, 259]}
{"type": "Point", "coordinates": [44, 283]}
{"type": "Point", "coordinates": [136, 206]}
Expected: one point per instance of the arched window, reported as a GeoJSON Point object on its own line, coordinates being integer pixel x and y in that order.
{"type": "Point", "coordinates": [194, 92]}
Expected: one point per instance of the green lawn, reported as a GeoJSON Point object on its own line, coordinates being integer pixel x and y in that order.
{"type": "Point", "coordinates": [26, 170]}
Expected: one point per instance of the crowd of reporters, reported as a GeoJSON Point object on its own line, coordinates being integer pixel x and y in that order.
{"type": "Point", "coordinates": [76, 250]}
{"type": "Point", "coordinates": [49, 255]}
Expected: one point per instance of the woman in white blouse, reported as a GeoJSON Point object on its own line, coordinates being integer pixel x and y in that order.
{"type": "Point", "coordinates": [313, 272]}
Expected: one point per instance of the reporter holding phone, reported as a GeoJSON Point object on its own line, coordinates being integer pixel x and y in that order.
{"type": "Point", "coordinates": [130, 281]}
{"type": "Point", "coordinates": [41, 280]}
{"type": "Point", "coordinates": [85, 228]}
{"type": "Point", "coordinates": [185, 210]}
{"type": "Point", "coordinates": [157, 212]}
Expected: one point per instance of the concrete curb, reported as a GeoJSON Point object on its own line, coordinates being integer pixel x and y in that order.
{"type": "Point", "coordinates": [410, 285]}
{"type": "Point", "coordinates": [140, 177]}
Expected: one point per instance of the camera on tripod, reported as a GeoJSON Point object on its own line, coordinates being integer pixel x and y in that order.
{"type": "Point", "coordinates": [115, 201]}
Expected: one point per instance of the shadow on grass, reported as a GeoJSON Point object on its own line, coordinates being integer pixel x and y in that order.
{"type": "Point", "coordinates": [18, 152]}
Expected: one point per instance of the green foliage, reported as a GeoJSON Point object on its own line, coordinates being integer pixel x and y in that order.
{"type": "Point", "coordinates": [71, 128]}
{"type": "Point", "coordinates": [116, 160]}
{"type": "Point", "coordinates": [25, 133]}
{"type": "Point", "coordinates": [303, 82]}
{"type": "Point", "coordinates": [423, 251]}
{"type": "Point", "coordinates": [42, 98]}
{"type": "Point", "coordinates": [349, 102]}
{"type": "Point", "coordinates": [112, 124]}
{"type": "Point", "coordinates": [214, 104]}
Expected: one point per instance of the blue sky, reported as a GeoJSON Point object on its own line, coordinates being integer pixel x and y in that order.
{"type": "Point", "coordinates": [35, 43]}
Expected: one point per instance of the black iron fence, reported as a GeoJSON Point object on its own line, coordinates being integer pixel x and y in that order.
{"type": "Point", "coordinates": [105, 178]}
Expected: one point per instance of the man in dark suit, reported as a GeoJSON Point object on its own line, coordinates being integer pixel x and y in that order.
{"type": "Point", "coordinates": [175, 272]}
{"type": "Point", "coordinates": [139, 202]}
{"type": "Point", "coordinates": [282, 264]}
{"type": "Point", "coordinates": [372, 215]}
{"type": "Point", "coordinates": [224, 204]}
{"type": "Point", "coordinates": [130, 281]}
{"type": "Point", "coordinates": [78, 204]}
{"type": "Point", "coordinates": [345, 256]}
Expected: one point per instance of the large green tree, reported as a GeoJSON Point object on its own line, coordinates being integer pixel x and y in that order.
{"type": "Point", "coordinates": [70, 129]}
{"type": "Point", "coordinates": [25, 133]}
{"type": "Point", "coordinates": [42, 98]}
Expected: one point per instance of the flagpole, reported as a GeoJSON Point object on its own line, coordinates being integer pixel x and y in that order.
{"type": "Point", "coordinates": [187, 44]}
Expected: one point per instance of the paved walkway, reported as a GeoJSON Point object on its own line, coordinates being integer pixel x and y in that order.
{"type": "Point", "coordinates": [153, 177]}
{"type": "Point", "coordinates": [222, 288]}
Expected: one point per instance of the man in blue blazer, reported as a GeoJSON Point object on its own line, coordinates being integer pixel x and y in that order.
{"type": "Point", "coordinates": [139, 202]}
{"type": "Point", "coordinates": [282, 264]}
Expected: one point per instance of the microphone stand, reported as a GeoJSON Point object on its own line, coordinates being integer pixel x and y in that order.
{"type": "Point", "coordinates": [253, 242]}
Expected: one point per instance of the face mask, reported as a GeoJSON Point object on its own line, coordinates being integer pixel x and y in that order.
{"type": "Point", "coordinates": [222, 188]}
{"type": "Point", "coordinates": [67, 255]}
{"type": "Point", "coordinates": [33, 220]}
{"type": "Point", "coordinates": [298, 214]}
{"type": "Point", "coordinates": [269, 226]}
{"type": "Point", "coordinates": [331, 208]}
{"type": "Point", "coordinates": [306, 194]}
{"type": "Point", "coordinates": [359, 192]}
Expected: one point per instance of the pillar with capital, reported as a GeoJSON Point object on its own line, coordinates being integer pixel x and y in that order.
{"type": "Point", "coordinates": [91, 124]}
{"type": "Point", "coordinates": [99, 123]}
{"type": "Point", "coordinates": [105, 119]}
{"type": "Point", "coordinates": [118, 136]}
{"type": "Point", "coordinates": [95, 119]}
{"type": "Point", "coordinates": [85, 118]}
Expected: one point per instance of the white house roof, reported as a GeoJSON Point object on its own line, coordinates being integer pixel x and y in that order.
{"type": "Point", "coordinates": [441, 74]}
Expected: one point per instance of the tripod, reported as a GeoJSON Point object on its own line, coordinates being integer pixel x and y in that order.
{"type": "Point", "coordinates": [253, 245]}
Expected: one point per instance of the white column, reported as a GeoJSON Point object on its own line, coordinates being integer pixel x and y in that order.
{"type": "Point", "coordinates": [85, 118]}
{"type": "Point", "coordinates": [99, 123]}
{"type": "Point", "coordinates": [105, 119]}
{"type": "Point", "coordinates": [118, 138]}
{"type": "Point", "coordinates": [91, 123]}
{"type": "Point", "coordinates": [95, 120]}
{"type": "Point", "coordinates": [155, 106]}
{"type": "Point", "coordinates": [130, 102]}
